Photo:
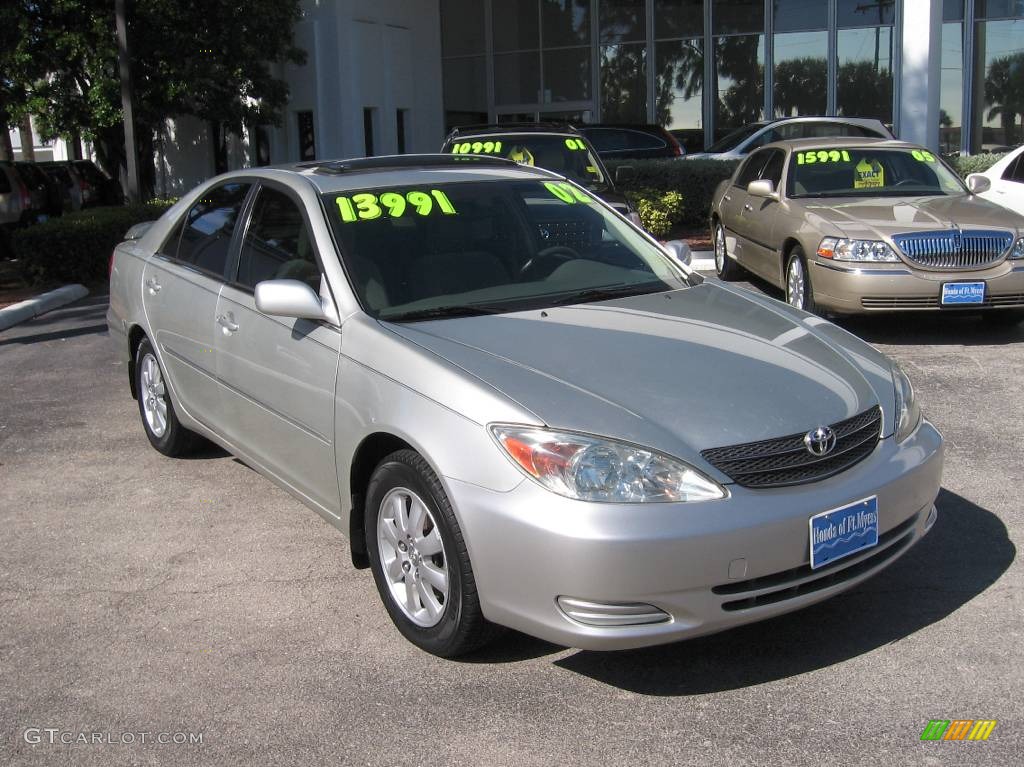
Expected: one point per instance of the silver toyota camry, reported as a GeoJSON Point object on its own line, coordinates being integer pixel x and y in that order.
{"type": "Point", "coordinates": [522, 410]}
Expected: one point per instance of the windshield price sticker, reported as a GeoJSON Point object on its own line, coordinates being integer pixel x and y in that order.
{"type": "Point", "coordinates": [477, 147]}
{"type": "Point", "coordinates": [576, 144]}
{"type": "Point", "coordinates": [567, 193]}
{"type": "Point", "coordinates": [367, 206]}
{"type": "Point", "coordinates": [922, 156]}
{"type": "Point", "coordinates": [822, 155]}
{"type": "Point", "coordinates": [869, 175]}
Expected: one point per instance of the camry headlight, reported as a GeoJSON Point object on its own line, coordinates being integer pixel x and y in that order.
{"type": "Point", "coordinates": [908, 412]}
{"type": "Point", "coordinates": [596, 469]}
{"type": "Point", "coordinates": [1018, 249]}
{"type": "Point", "coordinates": [841, 249]}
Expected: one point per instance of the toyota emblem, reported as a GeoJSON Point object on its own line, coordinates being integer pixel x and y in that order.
{"type": "Point", "coordinates": [820, 441]}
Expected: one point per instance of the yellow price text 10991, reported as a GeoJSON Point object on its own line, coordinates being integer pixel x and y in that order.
{"type": "Point", "coordinates": [477, 147]}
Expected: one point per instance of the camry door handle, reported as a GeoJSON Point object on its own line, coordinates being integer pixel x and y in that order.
{"type": "Point", "coordinates": [227, 322]}
{"type": "Point", "coordinates": [153, 285]}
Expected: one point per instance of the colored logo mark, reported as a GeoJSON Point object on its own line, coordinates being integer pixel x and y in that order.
{"type": "Point", "coordinates": [958, 729]}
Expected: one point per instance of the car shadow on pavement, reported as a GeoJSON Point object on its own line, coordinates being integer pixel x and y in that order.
{"type": "Point", "coordinates": [965, 553]}
{"type": "Point", "coordinates": [55, 335]}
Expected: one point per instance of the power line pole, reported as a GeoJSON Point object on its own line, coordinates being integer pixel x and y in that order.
{"type": "Point", "coordinates": [131, 182]}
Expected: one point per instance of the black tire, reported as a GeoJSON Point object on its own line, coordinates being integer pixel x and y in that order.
{"type": "Point", "coordinates": [800, 295]}
{"type": "Point", "coordinates": [725, 267]}
{"type": "Point", "coordinates": [175, 440]}
{"type": "Point", "coordinates": [461, 627]}
{"type": "Point", "coordinates": [1004, 318]}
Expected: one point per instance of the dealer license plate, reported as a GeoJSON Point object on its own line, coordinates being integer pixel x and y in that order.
{"type": "Point", "coordinates": [961, 293]}
{"type": "Point", "coordinates": [841, 532]}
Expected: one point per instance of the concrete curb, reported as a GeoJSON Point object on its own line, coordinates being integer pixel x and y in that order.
{"type": "Point", "coordinates": [702, 260]}
{"type": "Point", "coordinates": [45, 302]}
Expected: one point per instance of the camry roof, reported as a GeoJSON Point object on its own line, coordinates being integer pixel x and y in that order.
{"type": "Point", "coordinates": [841, 142]}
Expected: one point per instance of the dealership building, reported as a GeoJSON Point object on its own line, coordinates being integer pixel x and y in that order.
{"type": "Point", "coordinates": [392, 76]}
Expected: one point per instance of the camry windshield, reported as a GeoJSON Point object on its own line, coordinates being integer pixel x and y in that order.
{"type": "Point", "coordinates": [487, 247]}
{"type": "Point", "coordinates": [867, 171]}
{"type": "Point", "coordinates": [734, 139]}
{"type": "Point", "coordinates": [569, 156]}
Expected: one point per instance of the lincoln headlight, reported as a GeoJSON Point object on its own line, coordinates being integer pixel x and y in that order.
{"type": "Point", "coordinates": [908, 412]}
{"type": "Point", "coordinates": [590, 468]}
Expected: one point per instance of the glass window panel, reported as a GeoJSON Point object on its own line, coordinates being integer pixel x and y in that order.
{"type": "Point", "coordinates": [735, 16]}
{"type": "Point", "coordinates": [565, 22]}
{"type": "Point", "coordinates": [209, 227]}
{"type": "Point", "coordinates": [516, 25]}
{"type": "Point", "coordinates": [952, 10]}
{"type": "Point", "coordinates": [680, 68]}
{"type": "Point", "coordinates": [624, 83]}
{"type": "Point", "coordinates": [277, 244]}
{"type": "Point", "coordinates": [863, 13]}
{"type": "Point", "coordinates": [740, 65]}
{"type": "Point", "coordinates": [678, 18]}
{"type": "Point", "coordinates": [994, 9]}
{"type": "Point", "coordinates": [517, 117]}
{"type": "Point", "coordinates": [797, 15]}
{"type": "Point", "coordinates": [622, 20]}
{"type": "Point", "coordinates": [801, 73]}
{"type": "Point", "coordinates": [951, 87]}
{"type": "Point", "coordinates": [567, 75]}
{"type": "Point", "coordinates": [517, 78]}
{"type": "Point", "coordinates": [462, 27]}
{"type": "Point", "coordinates": [999, 91]}
{"type": "Point", "coordinates": [465, 84]}
{"type": "Point", "coordinates": [864, 82]}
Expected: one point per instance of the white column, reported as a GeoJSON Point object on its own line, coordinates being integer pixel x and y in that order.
{"type": "Point", "coordinates": [921, 60]}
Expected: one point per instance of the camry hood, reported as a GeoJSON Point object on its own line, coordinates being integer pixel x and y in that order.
{"type": "Point", "coordinates": [881, 217]}
{"type": "Point", "coordinates": [679, 371]}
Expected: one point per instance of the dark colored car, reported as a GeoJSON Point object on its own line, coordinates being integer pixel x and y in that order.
{"type": "Point", "coordinates": [632, 142]}
{"type": "Point", "coordinates": [38, 181]}
{"type": "Point", "coordinates": [38, 194]}
{"type": "Point", "coordinates": [108, 190]}
{"type": "Point", "coordinates": [71, 184]}
{"type": "Point", "coordinates": [553, 146]}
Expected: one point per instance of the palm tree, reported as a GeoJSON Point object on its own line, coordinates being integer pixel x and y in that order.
{"type": "Point", "coordinates": [1004, 94]}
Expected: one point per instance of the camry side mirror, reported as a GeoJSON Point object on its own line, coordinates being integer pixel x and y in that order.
{"type": "Point", "coordinates": [679, 250]}
{"type": "Point", "coordinates": [138, 231]}
{"type": "Point", "coordinates": [762, 188]}
{"type": "Point", "coordinates": [290, 298]}
{"type": "Point", "coordinates": [624, 174]}
{"type": "Point", "coordinates": [978, 183]}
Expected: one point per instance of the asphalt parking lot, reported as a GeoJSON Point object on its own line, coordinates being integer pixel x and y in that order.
{"type": "Point", "coordinates": [145, 594]}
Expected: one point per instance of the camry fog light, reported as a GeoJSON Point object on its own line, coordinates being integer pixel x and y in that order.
{"type": "Point", "coordinates": [611, 613]}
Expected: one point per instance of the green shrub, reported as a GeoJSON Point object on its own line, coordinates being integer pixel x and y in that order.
{"type": "Point", "coordinates": [76, 247]}
{"type": "Point", "coordinates": [975, 163]}
{"type": "Point", "coordinates": [695, 180]}
{"type": "Point", "coordinates": [659, 210]}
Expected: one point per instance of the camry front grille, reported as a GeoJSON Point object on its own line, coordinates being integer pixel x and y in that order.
{"type": "Point", "coordinates": [787, 461]}
{"type": "Point", "coordinates": [955, 249]}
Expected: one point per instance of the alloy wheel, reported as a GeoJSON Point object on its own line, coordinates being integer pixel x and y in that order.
{"type": "Point", "coordinates": [153, 394]}
{"type": "Point", "coordinates": [795, 283]}
{"type": "Point", "coordinates": [719, 249]}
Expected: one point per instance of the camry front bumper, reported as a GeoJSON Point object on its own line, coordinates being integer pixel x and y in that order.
{"type": "Point", "coordinates": [848, 288]}
{"type": "Point", "coordinates": [702, 567]}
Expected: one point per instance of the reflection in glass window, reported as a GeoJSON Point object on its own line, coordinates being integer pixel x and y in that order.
{"type": "Point", "coordinates": [624, 83]}
{"type": "Point", "coordinates": [516, 25]}
{"type": "Point", "coordinates": [567, 74]}
{"type": "Point", "coordinates": [999, 94]}
{"type": "Point", "coordinates": [208, 228]}
{"type": "Point", "coordinates": [800, 15]}
{"type": "Point", "coordinates": [801, 73]}
{"type": "Point", "coordinates": [994, 9]}
{"type": "Point", "coordinates": [517, 78]}
{"type": "Point", "coordinates": [865, 13]}
{"type": "Point", "coordinates": [678, 18]}
{"type": "Point", "coordinates": [565, 22]}
{"type": "Point", "coordinates": [864, 82]}
{"type": "Point", "coordinates": [277, 245]}
{"type": "Point", "coordinates": [680, 69]}
{"type": "Point", "coordinates": [740, 64]}
{"type": "Point", "coordinates": [621, 20]}
{"type": "Point", "coordinates": [737, 16]}
{"type": "Point", "coordinates": [951, 84]}
{"type": "Point", "coordinates": [462, 27]}
{"type": "Point", "coordinates": [465, 91]}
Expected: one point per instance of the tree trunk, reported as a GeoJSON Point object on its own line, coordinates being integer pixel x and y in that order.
{"type": "Point", "coordinates": [75, 146]}
{"type": "Point", "coordinates": [6, 150]}
{"type": "Point", "coordinates": [28, 151]}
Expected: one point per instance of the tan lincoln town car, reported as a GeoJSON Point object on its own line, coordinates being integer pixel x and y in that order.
{"type": "Point", "coordinates": [859, 225]}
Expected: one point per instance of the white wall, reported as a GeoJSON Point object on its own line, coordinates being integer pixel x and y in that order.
{"type": "Point", "coordinates": [921, 62]}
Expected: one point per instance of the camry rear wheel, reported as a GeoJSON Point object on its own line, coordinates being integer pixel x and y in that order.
{"type": "Point", "coordinates": [727, 268]}
{"type": "Point", "coordinates": [798, 285]}
{"type": "Point", "coordinates": [419, 558]}
{"type": "Point", "coordinates": [161, 423]}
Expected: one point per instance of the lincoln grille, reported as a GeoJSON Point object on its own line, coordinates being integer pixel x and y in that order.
{"type": "Point", "coordinates": [955, 249]}
{"type": "Point", "coordinates": [786, 460]}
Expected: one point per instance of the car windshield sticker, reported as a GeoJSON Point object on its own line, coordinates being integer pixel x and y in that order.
{"type": "Point", "coordinates": [477, 147]}
{"type": "Point", "coordinates": [567, 193]}
{"type": "Point", "coordinates": [521, 155]}
{"type": "Point", "coordinates": [922, 156]}
{"type": "Point", "coordinates": [367, 206]}
{"type": "Point", "coordinates": [869, 175]}
{"type": "Point", "coordinates": [822, 155]}
{"type": "Point", "coordinates": [576, 144]}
